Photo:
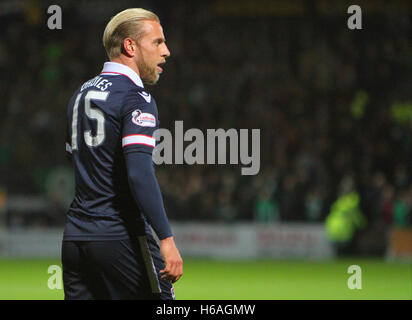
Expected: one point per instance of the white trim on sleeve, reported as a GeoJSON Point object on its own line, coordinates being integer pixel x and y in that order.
{"type": "Point", "coordinates": [138, 139]}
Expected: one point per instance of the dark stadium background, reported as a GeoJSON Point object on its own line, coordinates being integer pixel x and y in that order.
{"type": "Point", "coordinates": [334, 107]}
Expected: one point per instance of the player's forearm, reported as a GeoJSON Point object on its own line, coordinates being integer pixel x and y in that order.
{"type": "Point", "coordinates": [146, 192]}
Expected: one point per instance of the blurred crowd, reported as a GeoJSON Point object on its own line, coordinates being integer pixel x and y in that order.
{"type": "Point", "coordinates": [334, 107]}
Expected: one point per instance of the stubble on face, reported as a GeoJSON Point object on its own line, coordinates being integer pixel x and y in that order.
{"type": "Point", "coordinates": [148, 74]}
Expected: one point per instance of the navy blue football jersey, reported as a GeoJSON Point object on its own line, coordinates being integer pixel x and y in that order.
{"type": "Point", "coordinates": [108, 116]}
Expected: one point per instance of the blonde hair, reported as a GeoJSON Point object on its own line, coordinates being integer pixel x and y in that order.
{"type": "Point", "coordinates": [128, 23]}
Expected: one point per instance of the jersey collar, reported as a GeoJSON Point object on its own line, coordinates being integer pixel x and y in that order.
{"type": "Point", "coordinates": [115, 68]}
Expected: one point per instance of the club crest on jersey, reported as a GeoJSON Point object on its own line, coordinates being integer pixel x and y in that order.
{"type": "Point", "coordinates": [143, 119]}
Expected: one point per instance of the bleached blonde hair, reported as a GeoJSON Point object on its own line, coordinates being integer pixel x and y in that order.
{"type": "Point", "coordinates": [125, 24]}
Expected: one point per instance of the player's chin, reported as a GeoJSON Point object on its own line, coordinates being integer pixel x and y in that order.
{"type": "Point", "coordinates": [152, 79]}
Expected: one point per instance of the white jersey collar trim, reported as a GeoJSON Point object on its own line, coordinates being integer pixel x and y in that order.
{"type": "Point", "coordinates": [118, 68]}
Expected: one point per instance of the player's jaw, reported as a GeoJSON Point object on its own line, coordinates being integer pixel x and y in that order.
{"type": "Point", "coordinates": [149, 72]}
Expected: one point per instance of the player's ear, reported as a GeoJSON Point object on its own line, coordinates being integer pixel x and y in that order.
{"type": "Point", "coordinates": [129, 47]}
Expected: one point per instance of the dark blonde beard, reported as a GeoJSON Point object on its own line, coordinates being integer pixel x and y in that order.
{"type": "Point", "coordinates": [148, 75]}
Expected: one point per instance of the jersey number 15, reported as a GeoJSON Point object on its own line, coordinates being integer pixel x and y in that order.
{"type": "Point", "coordinates": [91, 113]}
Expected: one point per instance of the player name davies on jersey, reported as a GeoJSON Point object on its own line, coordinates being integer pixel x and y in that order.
{"type": "Point", "coordinates": [98, 82]}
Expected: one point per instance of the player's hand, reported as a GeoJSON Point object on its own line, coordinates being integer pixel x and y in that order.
{"type": "Point", "coordinates": [173, 261]}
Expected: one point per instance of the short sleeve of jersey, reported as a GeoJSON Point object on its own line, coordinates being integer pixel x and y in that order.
{"type": "Point", "coordinates": [139, 122]}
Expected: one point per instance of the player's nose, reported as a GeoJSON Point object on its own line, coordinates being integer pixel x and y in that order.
{"type": "Point", "coordinates": [165, 51]}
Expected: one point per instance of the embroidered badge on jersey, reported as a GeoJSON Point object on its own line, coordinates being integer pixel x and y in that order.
{"type": "Point", "coordinates": [143, 119]}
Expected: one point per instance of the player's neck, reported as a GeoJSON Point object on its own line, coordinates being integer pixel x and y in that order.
{"type": "Point", "coordinates": [127, 62]}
